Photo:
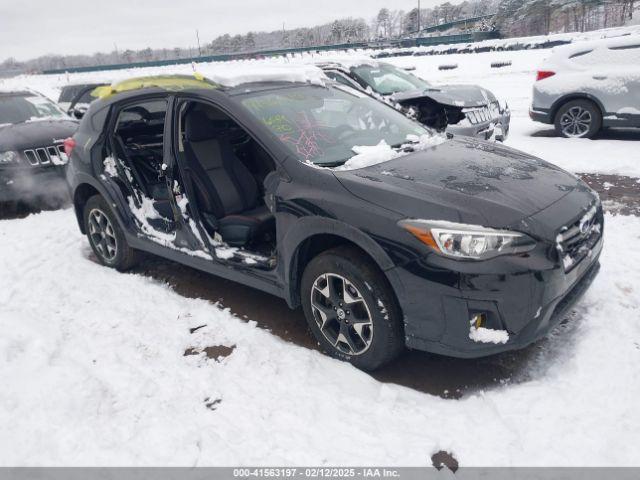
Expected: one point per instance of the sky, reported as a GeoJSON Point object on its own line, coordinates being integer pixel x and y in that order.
{"type": "Point", "coordinates": [30, 28]}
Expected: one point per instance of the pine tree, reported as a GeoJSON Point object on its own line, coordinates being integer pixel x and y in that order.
{"type": "Point", "coordinates": [337, 31]}
{"type": "Point", "coordinates": [382, 22]}
{"type": "Point", "coordinates": [250, 41]}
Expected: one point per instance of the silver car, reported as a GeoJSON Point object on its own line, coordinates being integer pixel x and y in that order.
{"type": "Point", "coordinates": [467, 110]}
{"type": "Point", "coordinates": [585, 86]}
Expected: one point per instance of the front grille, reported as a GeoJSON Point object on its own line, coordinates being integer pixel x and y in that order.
{"type": "Point", "coordinates": [575, 241]}
{"type": "Point", "coordinates": [53, 154]}
{"type": "Point", "coordinates": [477, 115]}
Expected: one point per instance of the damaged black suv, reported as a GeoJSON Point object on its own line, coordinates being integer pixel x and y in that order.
{"type": "Point", "coordinates": [387, 234]}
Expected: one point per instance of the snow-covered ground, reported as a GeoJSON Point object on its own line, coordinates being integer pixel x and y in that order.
{"type": "Point", "coordinates": [93, 372]}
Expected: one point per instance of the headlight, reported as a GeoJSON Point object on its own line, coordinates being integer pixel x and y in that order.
{"type": "Point", "coordinates": [472, 242]}
{"type": "Point", "coordinates": [502, 106]}
{"type": "Point", "coordinates": [9, 157]}
{"type": "Point", "coordinates": [495, 109]}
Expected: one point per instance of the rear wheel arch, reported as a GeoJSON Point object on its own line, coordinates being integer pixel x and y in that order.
{"type": "Point", "coordinates": [575, 96]}
{"type": "Point", "coordinates": [81, 195]}
{"type": "Point", "coordinates": [106, 237]}
{"type": "Point", "coordinates": [88, 186]}
{"type": "Point", "coordinates": [578, 117]}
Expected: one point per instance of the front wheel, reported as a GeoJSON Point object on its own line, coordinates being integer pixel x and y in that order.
{"type": "Point", "coordinates": [578, 119]}
{"type": "Point", "coordinates": [351, 309]}
{"type": "Point", "coordinates": [105, 236]}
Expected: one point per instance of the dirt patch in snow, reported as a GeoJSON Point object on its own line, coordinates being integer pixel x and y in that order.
{"type": "Point", "coordinates": [216, 352]}
{"type": "Point", "coordinates": [212, 403]}
{"type": "Point", "coordinates": [443, 459]}
{"type": "Point", "coordinates": [619, 194]}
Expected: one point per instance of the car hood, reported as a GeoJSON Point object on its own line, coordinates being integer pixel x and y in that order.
{"type": "Point", "coordinates": [462, 180]}
{"type": "Point", "coordinates": [40, 133]}
{"type": "Point", "coordinates": [465, 96]}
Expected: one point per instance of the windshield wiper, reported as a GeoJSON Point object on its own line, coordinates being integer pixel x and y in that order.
{"type": "Point", "coordinates": [331, 164]}
{"type": "Point", "coordinates": [406, 146]}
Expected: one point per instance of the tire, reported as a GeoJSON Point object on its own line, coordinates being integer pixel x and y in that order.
{"type": "Point", "coordinates": [342, 271]}
{"type": "Point", "coordinates": [106, 237]}
{"type": "Point", "coordinates": [578, 119]}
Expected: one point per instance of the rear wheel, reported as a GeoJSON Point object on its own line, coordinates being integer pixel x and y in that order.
{"type": "Point", "coordinates": [578, 119]}
{"type": "Point", "coordinates": [105, 236]}
{"type": "Point", "coordinates": [351, 309]}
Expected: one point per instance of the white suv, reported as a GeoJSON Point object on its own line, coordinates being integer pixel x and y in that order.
{"type": "Point", "coordinates": [585, 86]}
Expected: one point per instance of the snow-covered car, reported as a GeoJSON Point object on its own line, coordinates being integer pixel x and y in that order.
{"type": "Point", "coordinates": [468, 110]}
{"type": "Point", "coordinates": [75, 99]}
{"type": "Point", "coordinates": [585, 86]}
{"type": "Point", "coordinates": [388, 234]}
{"type": "Point", "coordinates": [32, 156]}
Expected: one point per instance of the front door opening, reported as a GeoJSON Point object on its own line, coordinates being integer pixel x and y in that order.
{"type": "Point", "coordinates": [227, 169]}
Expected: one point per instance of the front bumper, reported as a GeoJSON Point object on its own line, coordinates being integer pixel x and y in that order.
{"type": "Point", "coordinates": [31, 183]}
{"type": "Point", "coordinates": [496, 129]}
{"type": "Point", "coordinates": [525, 297]}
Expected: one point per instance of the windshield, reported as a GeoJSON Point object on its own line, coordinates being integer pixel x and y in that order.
{"type": "Point", "coordinates": [23, 108]}
{"type": "Point", "coordinates": [386, 79]}
{"type": "Point", "coordinates": [323, 125]}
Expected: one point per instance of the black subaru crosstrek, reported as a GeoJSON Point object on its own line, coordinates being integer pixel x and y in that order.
{"type": "Point", "coordinates": [386, 234]}
{"type": "Point", "coordinates": [32, 155]}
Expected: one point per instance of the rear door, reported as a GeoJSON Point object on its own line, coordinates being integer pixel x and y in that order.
{"type": "Point", "coordinates": [625, 75]}
{"type": "Point", "coordinates": [612, 75]}
{"type": "Point", "coordinates": [138, 161]}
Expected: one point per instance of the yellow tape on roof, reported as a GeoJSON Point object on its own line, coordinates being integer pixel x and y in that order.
{"type": "Point", "coordinates": [166, 82]}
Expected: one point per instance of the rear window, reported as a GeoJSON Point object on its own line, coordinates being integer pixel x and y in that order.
{"type": "Point", "coordinates": [579, 54]}
{"type": "Point", "coordinates": [623, 56]}
{"type": "Point", "coordinates": [86, 97]}
{"type": "Point", "coordinates": [69, 92]}
{"type": "Point", "coordinates": [625, 47]}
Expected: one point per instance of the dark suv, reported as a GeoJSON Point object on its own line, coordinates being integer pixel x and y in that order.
{"type": "Point", "coordinates": [32, 155]}
{"type": "Point", "coordinates": [459, 247]}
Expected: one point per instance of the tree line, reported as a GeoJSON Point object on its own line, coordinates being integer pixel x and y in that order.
{"type": "Point", "coordinates": [512, 18]}
{"type": "Point", "coordinates": [540, 17]}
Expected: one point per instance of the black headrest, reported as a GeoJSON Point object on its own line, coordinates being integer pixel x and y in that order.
{"type": "Point", "coordinates": [198, 127]}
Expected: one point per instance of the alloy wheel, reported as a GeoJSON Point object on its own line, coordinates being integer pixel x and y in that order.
{"type": "Point", "coordinates": [341, 314]}
{"type": "Point", "coordinates": [102, 235]}
{"type": "Point", "coordinates": [576, 122]}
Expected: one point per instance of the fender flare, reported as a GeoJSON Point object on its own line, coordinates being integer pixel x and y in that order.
{"type": "Point", "coordinates": [308, 227]}
{"type": "Point", "coordinates": [111, 193]}
{"type": "Point", "coordinates": [574, 96]}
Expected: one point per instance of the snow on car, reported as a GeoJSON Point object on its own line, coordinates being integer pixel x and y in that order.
{"type": "Point", "coordinates": [584, 87]}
